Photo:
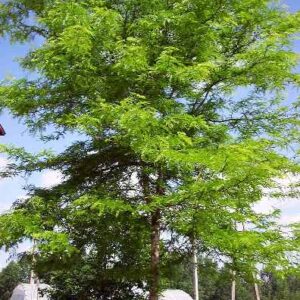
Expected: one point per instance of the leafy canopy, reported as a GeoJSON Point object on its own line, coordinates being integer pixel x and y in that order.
{"type": "Point", "coordinates": [180, 106]}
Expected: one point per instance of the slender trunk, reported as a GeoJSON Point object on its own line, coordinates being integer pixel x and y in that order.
{"type": "Point", "coordinates": [256, 289]}
{"type": "Point", "coordinates": [233, 285]}
{"type": "Point", "coordinates": [32, 274]}
{"type": "Point", "coordinates": [34, 281]}
{"type": "Point", "coordinates": [195, 270]}
{"type": "Point", "coordinates": [155, 238]}
{"type": "Point", "coordinates": [155, 225]}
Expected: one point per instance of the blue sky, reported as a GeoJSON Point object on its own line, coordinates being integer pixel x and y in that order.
{"type": "Point", "coordinates": [17, 135]}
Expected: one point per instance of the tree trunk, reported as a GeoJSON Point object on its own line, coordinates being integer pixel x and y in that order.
{"type": "Point", "coordinates": [33, 277]}
{"type": "Point", "coordinates": [233, 286]}
{"type": "Point", "coordinates": [155, 238]}
{"type": "Point", "coordinates": [34, 280]}
{"type": "Point", "coordinates": [195, 271]}
{"type": "Point", "coordinates": [256, 289]}
{"type": "Point", "coordinates": [155, 220]}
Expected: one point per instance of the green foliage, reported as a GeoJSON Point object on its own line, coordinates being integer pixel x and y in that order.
{"type": "Point", "coordinates": [112, 261]}
{"type": "Point", "coordinates": [215, 281]}
{"type": "Point", "coordinates": [13, 274]}
{"type": "Point", "coordinates": [179, 105]}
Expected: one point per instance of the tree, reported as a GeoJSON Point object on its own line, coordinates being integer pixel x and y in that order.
{"type": "Point", "coordinates": [13, 274]}
{"type": "Point", "coordinates": [111, 264]}
{"type": "Point", "coordinates": [151, 86]}
{"type": "Point", "coordinates": [216, 280]}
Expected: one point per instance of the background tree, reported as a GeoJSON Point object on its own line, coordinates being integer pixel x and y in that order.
{"type": "Point", "coordinates": [216, 280]}
{"type": "Point", "coordinates": [10, 276]}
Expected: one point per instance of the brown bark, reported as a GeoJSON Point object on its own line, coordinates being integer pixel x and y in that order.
{"type": "Point", "coordinates": [155, 224]}
{"type": "Point", "coordinates": [155, 238]}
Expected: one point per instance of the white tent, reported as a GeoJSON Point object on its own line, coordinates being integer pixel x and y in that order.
{"type": "Point", "coordinates": [175, 295]}
{"type": "Point", "coordinates": [26, 291]}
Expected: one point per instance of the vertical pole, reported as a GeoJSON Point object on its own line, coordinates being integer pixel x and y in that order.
{"type": "Point", "coordinates": [32, 274]}
{"type": "Point", "coordinates": [256, 289]}
{"type": "Point", "coordinates": [195, 270]}
{"type": "Point", "coordinates": [233, 286]}
{"type": "Point", "coordinates": [257, 295]}
{"type": "Point", "coordinates": [31, 277]}
{"type": "Point", "coordinates": [34, 281]}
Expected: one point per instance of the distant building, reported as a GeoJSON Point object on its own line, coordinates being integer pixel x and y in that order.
{"type": "Point", "coordinates": [175, 295]}
{"type": "Point", "coordinates": [29, 291]}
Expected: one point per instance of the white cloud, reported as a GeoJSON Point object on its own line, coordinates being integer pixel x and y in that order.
{"type": "Point", "coordinates": [4, 207]}
{"type": "Point", "coordinates": [6, 257]}
{"type": "Point", "coordinates": [51, 178]}
{"type": "Point", "coordinates": [288, 179]}
{"type": "Point", "coordinates": [267, 205]}
{"type": "Point", "coordinates": [3, 259]}
{"type": "Point", "coordinates": [288, 219]}
{"type": "Point", "coordinates": [3, 162]}
{"type": "Point", "coordinates": [289, 207]}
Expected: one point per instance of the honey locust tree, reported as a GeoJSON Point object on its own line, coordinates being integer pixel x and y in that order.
{"type": "Point", "coordinates": [161, 92]}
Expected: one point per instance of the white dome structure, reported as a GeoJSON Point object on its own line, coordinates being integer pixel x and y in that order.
{"type": "Point", "coordinates": [175, 295]}
{"type": "Point", "coordinates": [26, 291]}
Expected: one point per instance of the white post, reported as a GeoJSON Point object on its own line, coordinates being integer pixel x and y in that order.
{"type": "Point", "coordinates": [233, 285]}
{"type": "Point", "coordinates": [34, 282]}
{"type": "Point", "coordinates": [195, 271]}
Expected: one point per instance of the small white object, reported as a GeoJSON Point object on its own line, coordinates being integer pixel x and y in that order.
{"type": "Point", "coordinates": [175, 295]}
